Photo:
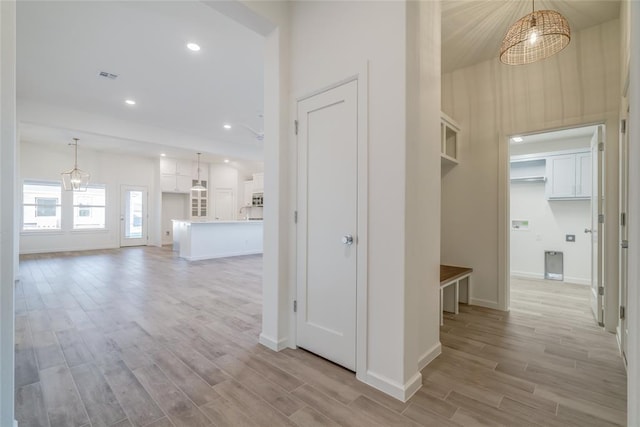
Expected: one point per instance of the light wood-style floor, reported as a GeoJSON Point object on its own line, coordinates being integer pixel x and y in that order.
{"type": "Point", "coordinates": [139, 337]}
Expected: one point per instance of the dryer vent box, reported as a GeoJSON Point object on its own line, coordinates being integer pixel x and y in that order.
{"type": "Point", "coordinates": [553, 265]}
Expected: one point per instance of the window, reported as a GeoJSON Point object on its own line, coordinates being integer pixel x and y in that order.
{"type": "Point", "coordinates": [41, 205]}
{"type": "Point", "coordinates": [89, 208]}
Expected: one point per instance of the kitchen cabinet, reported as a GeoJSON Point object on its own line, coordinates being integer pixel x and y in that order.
{"type": "Point", "coordinates": [568, 176]}
{"type": "Point", "coordinates": [175, 183]}
{"type": "Point", "coordinates": [258, 183]}
{"type": "Point", "coordinates": [176, 175]}
{"type": "Point", "coordinates": [199, 200]}
{"type": "Point", "coordinates": [248, 193]}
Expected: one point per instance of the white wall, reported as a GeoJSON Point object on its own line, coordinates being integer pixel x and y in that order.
{"type": "Point", "coordinates": [378, 36]}
{"type": "Point", "coordinates": [45, 162]}
{"type": "Point", "coordinates": [174, 206]}
{"type": "Point", "coordinates": [492, 101]}
{"type": "Point", "coordinates": [8, 169]}
{"type": "Point", "coordinates": [549, 221]}
{"type": "Point", "coordinates": [422, 199]}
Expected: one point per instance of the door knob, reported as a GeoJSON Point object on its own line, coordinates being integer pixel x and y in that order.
{"type": "Point", "coordinates": [588, 230]}
{"type": "Point", "coordinates": [347, 239]}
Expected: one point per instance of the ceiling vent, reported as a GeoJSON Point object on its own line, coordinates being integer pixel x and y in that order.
{"type": "Point", "coordinates": [108, 75]}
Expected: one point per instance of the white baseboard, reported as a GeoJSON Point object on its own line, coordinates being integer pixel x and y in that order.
{"type": "Point", "coordinates": [429, 356]}
{"type": "Point", "coordinates": [568, 279]}
{"type": "Point", "coordinates": [15, 423]}
{"type": "Point", "coordinates": [577, 281]}
{"type": "Point", "coordinates": [224, 255]}
{"type": "Point", "coordinates": [527, 275]}
{"type": "Point", "coordinates": [273, 344]}
{"type": "Point", "coordinates": [394, 389]}
{"type": "Point", "coordinates": [485, 303]}
{"type": "Point", "coordinates": [57, 250]}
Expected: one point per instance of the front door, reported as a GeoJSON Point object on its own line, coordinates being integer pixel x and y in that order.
{"type": "Point", "coordinates": [327, 207]}
{"type": "Point", "coordinates": [597, 225]}
{"type": "Point", "coordinates": [133, 216]}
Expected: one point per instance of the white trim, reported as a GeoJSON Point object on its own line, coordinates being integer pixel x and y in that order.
{"type": "Point", "coordinates": [223, 255]}
{"type": "Point", "coordinates": [362, 285]}
{"type": "Point", "coordinates": [429, 356]}
{"type": "Point", "coordinates": [540, 276]}
{"type": "Point", "coordinates": [504, 229]}
{"type": "Point", "coordinates": [486, 303]}
{"type": "Point", "coordinates": [401, 392]}
{"type": "Point", "coordinates": [273, 344]}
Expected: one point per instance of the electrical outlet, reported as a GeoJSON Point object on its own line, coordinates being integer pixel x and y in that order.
{"type": "Point", "coordinates": [167, 233]}
{"type": "Point", "coordinates": [570, 237]}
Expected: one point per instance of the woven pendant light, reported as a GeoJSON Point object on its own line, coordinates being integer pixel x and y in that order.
{"type": "Point", "coordinates": [536, 36]}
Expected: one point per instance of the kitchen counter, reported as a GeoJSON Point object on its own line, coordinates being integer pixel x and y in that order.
{"type": "Point", "coordinates": [198, 240]}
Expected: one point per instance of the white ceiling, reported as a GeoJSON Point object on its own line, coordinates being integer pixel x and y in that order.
{"type": "Point", "coordinates": [64, 45]}
{"type": "Point", "coordinates": [585, 132]}
{"type": "Point", "coordinates": [472, 30]}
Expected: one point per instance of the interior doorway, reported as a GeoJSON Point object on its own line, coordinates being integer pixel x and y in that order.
{"type": "Point", "coordinates": [133, 216]}
{"type": "Point", "coordinates": [556, 196]}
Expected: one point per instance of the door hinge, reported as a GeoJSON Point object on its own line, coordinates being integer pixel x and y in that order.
{"type": "Point", "coordinates": [623, 126]}
{"type": "Point", "coordinates": [601, 146]}
{"type": "Point", "coordinates": [601, 218]}
{"type": "Point", "coordinates": [622, 312]}
{"type": "Point", "coordinates": [295, 306]}
{"type": "Point", "coordinates": [295, 125]}
{"type": "Point", "coordinates": [295, 217]}
{"type": "Point", "coordinates": [623, 219]}
{"type": "Point", "coordinates": [624, 244]}
{"type": "Point", "coordinates": [600, 290]}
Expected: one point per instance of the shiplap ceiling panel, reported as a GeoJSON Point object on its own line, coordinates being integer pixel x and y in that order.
{"type": "Point", "coordinates": [472, 30]}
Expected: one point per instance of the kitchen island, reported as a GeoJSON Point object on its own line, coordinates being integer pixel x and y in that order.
{"type": "Point", "coordinates": [198, 240]}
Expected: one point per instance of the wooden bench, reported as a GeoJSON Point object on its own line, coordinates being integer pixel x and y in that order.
{"type": "Point", "coordinates": [451, 293]}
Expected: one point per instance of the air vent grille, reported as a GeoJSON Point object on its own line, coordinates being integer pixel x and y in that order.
{"type": "Point", "coordinates": [108, 75]}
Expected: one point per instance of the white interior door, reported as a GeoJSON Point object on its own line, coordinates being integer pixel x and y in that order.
{"type": "Point", "coordinates": [623, 330]}
{"type": "Point", "coordinates": [223, 199]}
{"type": "Point", "coordinates": [597, 225]}
{"type": "Point", "coordinates": [133, 216]}
{"type": "Point", "coordinates": [327, 241]}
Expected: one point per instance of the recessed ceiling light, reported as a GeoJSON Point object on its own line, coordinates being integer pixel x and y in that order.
{"type": "Point", "coordinates": [193, 46]}
{"type": "Point", "coordinates": [227, 126]}
{"type": "Point", "coordinates": [517, 139]}
{"type": "Point", "coordinates": [130, 102]}
{"type": "Point", "coordinates": [163, 155]}
{"type": "Point", "coordinates": [226, 160]}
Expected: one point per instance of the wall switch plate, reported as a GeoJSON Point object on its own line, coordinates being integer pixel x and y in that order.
{"type": "Point", "coordinates": [570, 237]}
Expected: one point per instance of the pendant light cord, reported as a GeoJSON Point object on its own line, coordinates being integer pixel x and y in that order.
{"type": "Point", "coordinates": [76, 155]}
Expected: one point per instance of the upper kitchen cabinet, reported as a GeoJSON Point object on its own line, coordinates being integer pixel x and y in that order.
{"type": "Point", "coordinates": [248, 193]}
{"type": "Point", "coordinates": [569, 176]}
{"type": "Point", "coordinates": [258, 182]}
{"type": "Point", "coordinates": [449, 130]}
{"type": "Point", "coordinates": [176, 175]}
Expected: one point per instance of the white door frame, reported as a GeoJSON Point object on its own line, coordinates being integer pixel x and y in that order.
{"type": "Point", "coordinates": [362, 218]}
{"type": "Point", "coordinates": [504, 211]}
{"type": "Point", "coordinates": [145, 213]}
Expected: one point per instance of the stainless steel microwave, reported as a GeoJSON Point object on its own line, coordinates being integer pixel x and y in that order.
{"type": "Point", "coordinates": [257, 199]}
